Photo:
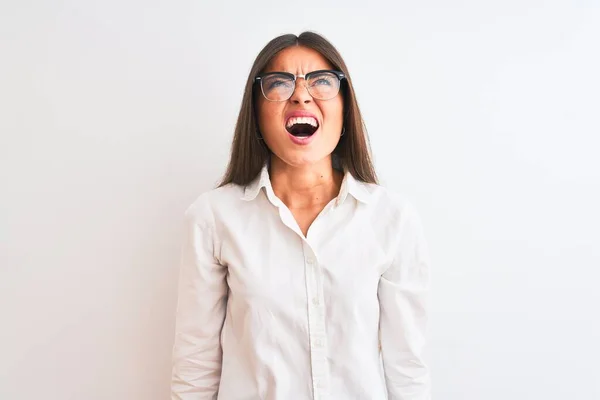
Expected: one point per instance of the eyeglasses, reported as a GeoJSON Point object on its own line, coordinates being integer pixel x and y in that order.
{"type": "Point", "coordinates": [321, 84]}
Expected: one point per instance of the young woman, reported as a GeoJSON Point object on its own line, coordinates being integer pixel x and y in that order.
{"type": "Point", "coordinates": [301, 277]}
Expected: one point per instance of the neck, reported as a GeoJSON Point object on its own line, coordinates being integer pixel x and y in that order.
{"type": "Point", "coordinates": [305, 187]}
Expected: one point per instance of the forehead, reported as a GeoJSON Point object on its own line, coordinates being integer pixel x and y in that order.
{"type": "Point", "coordinates": [298, 60]}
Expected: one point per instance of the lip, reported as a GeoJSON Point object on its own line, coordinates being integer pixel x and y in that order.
{"type": "Point", "coordinates": [301, 113]}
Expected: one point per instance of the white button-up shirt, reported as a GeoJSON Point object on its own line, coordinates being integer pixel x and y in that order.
{"type": "Point", "coordinates": [267, 313]}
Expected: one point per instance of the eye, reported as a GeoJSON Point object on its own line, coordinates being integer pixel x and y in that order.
{"type": "Point", "coordinates": [323, 80]}
{"type": "Point", "coordinates": [276, 81]}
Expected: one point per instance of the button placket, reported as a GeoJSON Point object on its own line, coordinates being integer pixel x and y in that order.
{"type": "Point", "coordinates": [316, 321]}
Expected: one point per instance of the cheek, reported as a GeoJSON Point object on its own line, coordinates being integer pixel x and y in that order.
{"type": "Point", "coordinates": [268, 115]}
{"type": "Point", "coordinates": [333, 112]}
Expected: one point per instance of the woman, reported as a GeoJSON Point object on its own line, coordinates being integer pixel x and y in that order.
{"type": "Point", "coordinates": [301, 278]}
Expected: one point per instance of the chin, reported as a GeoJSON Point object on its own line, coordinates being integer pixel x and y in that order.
{"type": "Point", "coordinates": [303, 160]}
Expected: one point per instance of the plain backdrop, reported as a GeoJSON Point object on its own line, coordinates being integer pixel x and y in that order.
{"type": "Point", "coordinates": [116, 115]}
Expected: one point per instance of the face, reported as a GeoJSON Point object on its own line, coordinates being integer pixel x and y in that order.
{"type": "Point", "coordinates": [286, 125]}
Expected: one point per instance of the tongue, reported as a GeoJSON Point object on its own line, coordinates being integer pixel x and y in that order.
{"type": "Point", "coordinates": [302, 130]}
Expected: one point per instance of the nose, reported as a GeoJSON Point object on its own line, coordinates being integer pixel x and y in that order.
{"type": "Point", "coordinates": [301, 94]}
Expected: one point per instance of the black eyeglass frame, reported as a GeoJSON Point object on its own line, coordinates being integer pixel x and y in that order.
{"type": "Point", "coordinates": [259, 79]}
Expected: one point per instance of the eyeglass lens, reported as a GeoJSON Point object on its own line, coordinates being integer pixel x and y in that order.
{"type": "Point", "coordinates": [280, 87]}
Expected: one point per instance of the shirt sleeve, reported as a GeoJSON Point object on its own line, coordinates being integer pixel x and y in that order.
{"type": "Point", "coordinates": [403, 292]}
{"type": "Point", "coordinates": [201, 307]}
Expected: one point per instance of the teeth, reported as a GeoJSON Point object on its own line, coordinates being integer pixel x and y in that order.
{"type": "Point", "coordinates": [301, 120]}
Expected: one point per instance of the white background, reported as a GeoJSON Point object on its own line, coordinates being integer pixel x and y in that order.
{"type": "Point", "coordinates": [115, 115]}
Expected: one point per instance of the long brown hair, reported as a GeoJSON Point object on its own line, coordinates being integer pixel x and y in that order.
{"type": "Point", "coordinates": [249, 153]}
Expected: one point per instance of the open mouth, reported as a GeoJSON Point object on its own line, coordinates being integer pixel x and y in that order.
{"type": "Point", "coordinates": [302, 127]}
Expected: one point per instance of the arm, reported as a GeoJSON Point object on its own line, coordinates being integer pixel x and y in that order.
{"type": "Point", "coordinates": [200, 314]}
{"type": "Point", "coordinates": [403, 313]}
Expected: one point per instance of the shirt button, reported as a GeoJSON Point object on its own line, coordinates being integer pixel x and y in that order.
{"type": "Point", "coordinates": [310, 261]}
{"type": "Point", "coordinates": [316, 301]}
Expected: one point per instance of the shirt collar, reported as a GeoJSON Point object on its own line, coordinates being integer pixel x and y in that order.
{"type": "Point", "coordinates": [262, 180]}
{"type": "Point", "coordinates": [358, 190]}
